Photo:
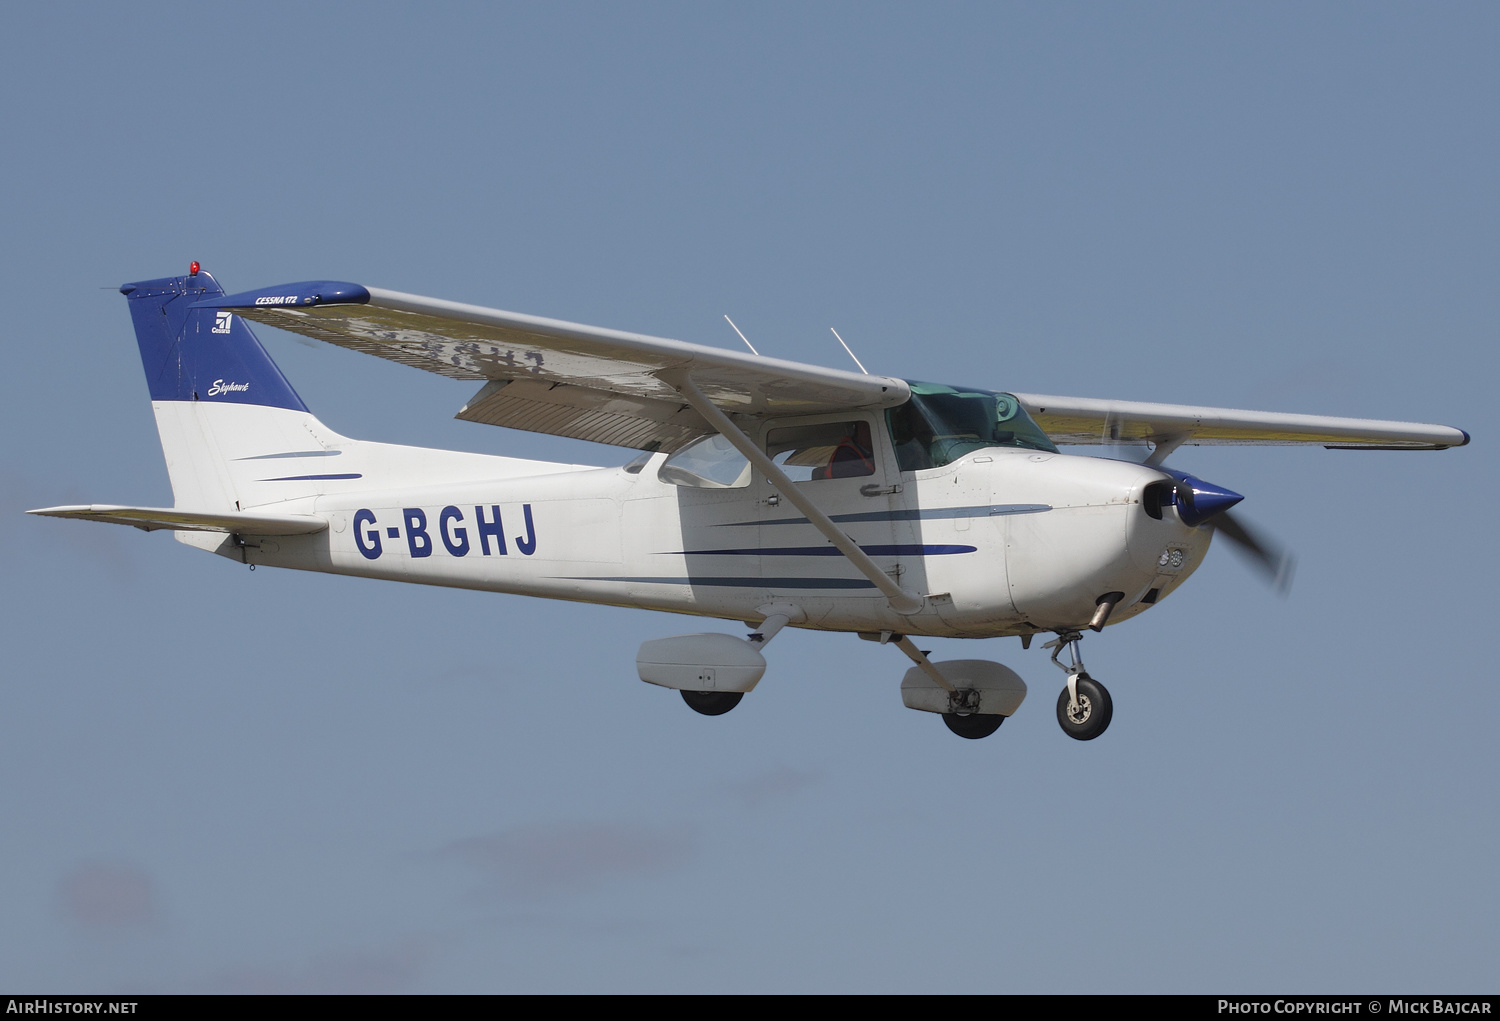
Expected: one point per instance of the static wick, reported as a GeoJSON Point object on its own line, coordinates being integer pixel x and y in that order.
{"type": "Point", "coordinates": [851, 353]}
{"type": "Point", "coordinates": [736, 329]}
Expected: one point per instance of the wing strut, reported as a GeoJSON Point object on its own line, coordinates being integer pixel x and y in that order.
{"type": "Point", "coordinates": [919, 657]}
{"type": "Point", "coordinates": [902, 600]}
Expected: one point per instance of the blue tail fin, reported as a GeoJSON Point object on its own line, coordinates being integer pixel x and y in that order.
{"type": "Point", "coordinates": [196, 354]}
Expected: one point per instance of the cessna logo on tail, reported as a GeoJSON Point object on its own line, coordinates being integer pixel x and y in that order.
{"type": "Point", "coordinates": [221, 387]}
{"type": "Point", "coordinates": [221, 322]}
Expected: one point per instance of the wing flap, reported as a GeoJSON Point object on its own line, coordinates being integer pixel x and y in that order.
{"type": "Point", "coordinates": [152, 518]}
{"type": "Point", "coordinates": [585, 414]}
{"type": "Point", "coordinates": [1082, 420]}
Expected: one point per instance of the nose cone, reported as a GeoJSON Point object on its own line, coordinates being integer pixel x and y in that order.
{"type": "Point", "coordinates": [1197, 501]}
{"type": "Point", "coordinates": [1209, 500]}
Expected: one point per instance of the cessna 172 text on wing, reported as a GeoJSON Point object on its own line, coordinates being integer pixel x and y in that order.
{"type": "Point", "coordinates": [766, 491]}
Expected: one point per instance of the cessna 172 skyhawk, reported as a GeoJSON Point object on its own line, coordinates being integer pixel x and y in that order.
{"type": "Point", "coordinates": [766, 491]}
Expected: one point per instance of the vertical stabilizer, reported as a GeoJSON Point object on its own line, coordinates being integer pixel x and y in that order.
{"type": "Point", "coordinates": [195, 354]}
{"type": "Point", "coordinates": [223, 409]}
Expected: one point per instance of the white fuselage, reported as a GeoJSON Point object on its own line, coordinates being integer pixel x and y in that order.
{"type": "Point", "coordinates": [1003, 541]}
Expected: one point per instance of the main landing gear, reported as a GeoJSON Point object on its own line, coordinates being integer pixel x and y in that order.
{"type": "Point", "coordinates": [972, 725]}
{"type": "Point", "coordinates": [1084, 707]}
{"type": "Point", "coordinates": [712, 672]}
{"type": "Point", "coordinates": [712, 703]}
{"type": "Point", "coordinates": [973, 696]}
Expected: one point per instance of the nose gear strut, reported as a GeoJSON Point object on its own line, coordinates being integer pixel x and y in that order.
{"type": "Point", "coordinates": [1084, 707]}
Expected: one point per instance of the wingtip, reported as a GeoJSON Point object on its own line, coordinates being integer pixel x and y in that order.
{"type": "Point", "coordinates": [301, 294]}
{"type": "Point", "coordinates": [63, 511]}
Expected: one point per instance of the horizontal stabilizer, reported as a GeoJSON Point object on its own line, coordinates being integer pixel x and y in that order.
{"type": "Point", "coordinates": [152, 518]}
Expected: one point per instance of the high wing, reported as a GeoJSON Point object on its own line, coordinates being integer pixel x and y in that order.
{"type": "Point", "coordinates": [611, 386]}
{"type": "Point", "coordinates": [1083, 420]}
{"type": "Point", "coordinates": [549, 376]}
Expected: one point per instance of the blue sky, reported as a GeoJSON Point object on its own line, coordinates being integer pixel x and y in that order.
{"type": "Point", "coordinates": [219, 780]}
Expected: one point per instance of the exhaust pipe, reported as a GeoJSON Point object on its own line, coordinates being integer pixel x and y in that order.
{"type": "Point", "coordinates": [1103, 607]}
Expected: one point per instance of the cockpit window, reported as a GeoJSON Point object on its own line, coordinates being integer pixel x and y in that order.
{"type": "Point", "coordinates": [827, 450]}
{"type": "Point", "coordinates": [940, 424]}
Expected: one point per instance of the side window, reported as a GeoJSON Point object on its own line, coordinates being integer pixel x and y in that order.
{"type": "Point", "coordinates": [709, 463]}
{"type": "Point", "coordinates": [829, 450]}
{"type": "Point", "coordinates": [639, 461]}
{"type": "Point", "coordinates": [911, 435]}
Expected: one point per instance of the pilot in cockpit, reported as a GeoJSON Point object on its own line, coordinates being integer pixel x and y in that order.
{"type": "Point", "coordinates": [854, 456]}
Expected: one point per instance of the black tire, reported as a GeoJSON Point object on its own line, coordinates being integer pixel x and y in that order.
{"type": "Point", "coordinates": [974, 725]}
{"type": "Point", "coordinates": [712, 703]}
{"type": "Point", "coordinates": [1095, 709]}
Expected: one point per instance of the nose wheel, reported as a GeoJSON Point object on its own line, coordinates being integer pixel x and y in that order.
{"type": "Point", "coordinates": [1084, 707]}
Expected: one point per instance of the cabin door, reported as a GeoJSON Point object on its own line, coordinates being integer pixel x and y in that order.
{"type": "Point", "coordinates": [844, 464]}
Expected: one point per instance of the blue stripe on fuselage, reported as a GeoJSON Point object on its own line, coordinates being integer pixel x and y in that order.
{"type": "Point", "coordinates": [314, 478]}
{"type": "Point", "coordinates": [725, 581]}
{"type": "Point", "coordinates": [904, 550]}
{"type": "Point", "coordinates": [916, 514]}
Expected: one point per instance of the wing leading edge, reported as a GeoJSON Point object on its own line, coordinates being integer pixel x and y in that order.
{"type": "Point", "coordinates": [1083, 420]}
{"type": "Point", "coordinates": [568, 379]}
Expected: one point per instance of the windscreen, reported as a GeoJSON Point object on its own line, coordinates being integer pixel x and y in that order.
{"type": "Point", "coordinates": [941, 423]}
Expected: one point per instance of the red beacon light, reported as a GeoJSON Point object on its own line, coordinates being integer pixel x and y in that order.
{"type": "Point", "coordinates": [193, 269]}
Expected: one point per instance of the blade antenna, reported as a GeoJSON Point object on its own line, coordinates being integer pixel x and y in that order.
{"type": "Point", "coordinates": [851, 353]}
{"type": "Point", "coordinates": [746, 339]}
